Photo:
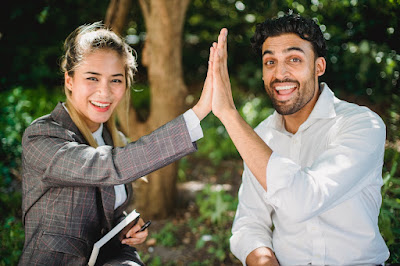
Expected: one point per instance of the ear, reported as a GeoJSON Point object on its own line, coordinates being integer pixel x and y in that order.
{"type": "Point", "coordinates": [68, 81]}
{"type": "Point", "coordinates": [320, 66]}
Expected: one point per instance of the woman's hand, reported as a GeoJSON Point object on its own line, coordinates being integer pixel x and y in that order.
{"type": "Point", "coordinates": [133, 237]}
{"type": "Point", "coordinates": [203, 106]}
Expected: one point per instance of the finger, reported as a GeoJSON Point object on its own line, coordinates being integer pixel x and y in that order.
{"type": "Point", "coordinates": [222, 41]}
{"type": "Point", "coordinates": [134, 229]}
{"type": "Point", "coordinates": [212, 49]}
{"type": "Point", "coordinates": [210, 62]}
{"type": "Point", "coordinates": [136, 235]}
{"type": "Point", "coordinates": [224, 48]}
{"type": "Point", "coordinates": [221, 53]}
{"type": "Point", "coordinates": [133, 241]}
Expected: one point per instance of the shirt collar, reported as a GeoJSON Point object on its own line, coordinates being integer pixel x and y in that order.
{"type": "Point", "coordinates": [97, 135]}
{"type": "Point", "coordinates": [323, 109]}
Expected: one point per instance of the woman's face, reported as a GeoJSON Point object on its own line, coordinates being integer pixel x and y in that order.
{"type": "Point", "coordinates": [97, 86]}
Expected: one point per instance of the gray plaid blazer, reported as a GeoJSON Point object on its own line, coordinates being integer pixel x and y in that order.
{"type": "Point", "coordinates": [68, 186]}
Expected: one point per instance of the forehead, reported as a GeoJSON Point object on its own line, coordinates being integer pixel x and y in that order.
{"type": "Point", "coordinates": [102, 59]}
{"type": "Point", "coordinates": [285, 43]}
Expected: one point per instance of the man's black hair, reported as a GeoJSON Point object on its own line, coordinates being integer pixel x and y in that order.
{"type": "Point", "coordinates": [305, 28]}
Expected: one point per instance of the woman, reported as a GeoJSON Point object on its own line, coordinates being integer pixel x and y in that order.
{"type": "Point", "coordinates": [75, 162]}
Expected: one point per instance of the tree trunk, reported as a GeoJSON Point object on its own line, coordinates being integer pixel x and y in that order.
{"type": "Point", "coordinates": [116, 15]}
{"type": "Point", "coordinates": [162, 56]}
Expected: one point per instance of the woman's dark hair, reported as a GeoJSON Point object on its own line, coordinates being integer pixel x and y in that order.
{"type": "Point", "coordinates": [305, 28]}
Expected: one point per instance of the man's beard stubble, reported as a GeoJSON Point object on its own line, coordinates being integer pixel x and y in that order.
{"type": "Point", "coordinates": [283, 108]}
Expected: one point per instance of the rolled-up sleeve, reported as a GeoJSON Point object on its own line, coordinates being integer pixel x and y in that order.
{"type": "Point", "coordinates": [252, 225]}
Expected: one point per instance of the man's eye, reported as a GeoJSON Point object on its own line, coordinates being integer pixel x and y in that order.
{"type": "Point", "coordinates": [295, 59]}
{"type": "Point", "coordinates": [269, 62]}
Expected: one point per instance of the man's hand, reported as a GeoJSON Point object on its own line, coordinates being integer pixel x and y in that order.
{"type": "Point", "coordinates": [251, 147]}
{"type": "Point", "coordinates": [262, 256]}
{"type": "Point", "coordinates": [203, 106]}
{"type": "Point", "coordinates": [133, 237]}
{"type": "Point", "coordinates": [222, 100]}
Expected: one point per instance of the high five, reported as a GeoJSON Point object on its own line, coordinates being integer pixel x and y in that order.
{"type": "Point", "coordinates": [250, 146]}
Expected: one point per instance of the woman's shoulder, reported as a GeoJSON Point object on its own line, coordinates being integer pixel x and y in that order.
{"type": "Point", "coordinates": [57, 124]}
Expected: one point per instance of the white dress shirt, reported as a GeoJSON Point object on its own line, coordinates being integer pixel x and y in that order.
{"type": "Point", "coordinates": [195, 132]}
{"type": "Point", "coordinates": [323, 196]}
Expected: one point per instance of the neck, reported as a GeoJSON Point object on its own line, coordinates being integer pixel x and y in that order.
{"type": "Point", "coordinates": [294, 121]}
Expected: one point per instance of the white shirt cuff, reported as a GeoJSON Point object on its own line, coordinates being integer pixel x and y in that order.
{"type": "Point", "coordinates": [193, 125]}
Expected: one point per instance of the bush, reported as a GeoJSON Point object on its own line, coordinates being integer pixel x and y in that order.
{"type": "Point", "coordinates": [389, 222]}
{"type": "Point", "coordinates": [20, 107]}
{"type": "Point", "coordinates": [216, 209]}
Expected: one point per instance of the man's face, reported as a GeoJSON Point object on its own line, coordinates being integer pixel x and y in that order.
{"type": "Point", "coordinates": [290, 72]}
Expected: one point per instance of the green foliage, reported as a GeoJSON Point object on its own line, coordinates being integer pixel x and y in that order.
{"type": "Point", "coordinates": [216, 209]}
{"type": "Point", "coordinates": [140, 98]}
{"type": "Point", "coordinates": [215, 205]}
{"type": "Point", "coordinates": [12, 239]}
{"type": "Point", "coordinates": [389, 222]}
{"type": "Point", "coordinates": [167, 235]}
{"type": "Point", "coordinates": [156, 261]}
{"type": "Point", "coordinates": [20, 107]}
{"type": "Point", "coordinates": [32, 36]}
{"type": "Point", "coordinates": [216, 144]}
{"type": "Point", "coordinates": [358, 63]}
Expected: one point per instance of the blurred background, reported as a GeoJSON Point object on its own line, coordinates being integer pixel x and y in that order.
{"type": "Point", "coordinates": [192, 202]}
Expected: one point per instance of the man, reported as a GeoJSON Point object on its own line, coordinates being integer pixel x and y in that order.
{"type": "Point", "coordinates": [310, 193]}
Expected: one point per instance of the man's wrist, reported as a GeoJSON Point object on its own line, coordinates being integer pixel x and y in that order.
{"type": "Point", "coordinates": [229, 116]}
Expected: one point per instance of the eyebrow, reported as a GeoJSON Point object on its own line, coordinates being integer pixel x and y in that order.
{"type": "Point", "coordinates": [293, 48]}
{"type": "Point", "coordinates": [98, 74]}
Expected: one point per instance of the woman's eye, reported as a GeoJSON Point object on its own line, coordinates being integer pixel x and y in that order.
{"type": "Point", "coordinates": [117, 81]}
{"type": "Point", "coordinates": [92, 78]}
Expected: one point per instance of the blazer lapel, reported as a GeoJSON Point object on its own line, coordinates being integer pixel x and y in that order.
{"type": "Point", "coordinates": [108, 192]}
{"type": "Point", "coordinates": [118, 212]}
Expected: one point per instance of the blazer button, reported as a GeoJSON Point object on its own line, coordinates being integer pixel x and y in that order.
{"type": "Point", "coordinates": [103, 231]}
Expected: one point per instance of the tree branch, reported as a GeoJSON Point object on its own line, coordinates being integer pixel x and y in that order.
{"type": "Point", "coordinates": [116, 15]}
{"type": "Point", "coordinates": [145, 6]}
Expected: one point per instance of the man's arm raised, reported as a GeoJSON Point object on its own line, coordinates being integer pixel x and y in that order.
{"type": "Point", "coordinates": [253, 150]}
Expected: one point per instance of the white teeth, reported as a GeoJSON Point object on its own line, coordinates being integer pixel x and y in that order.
{"type": "Point", "coordinates": [102, 105]}
{"type": "Point", "coordinates": [280, 88]}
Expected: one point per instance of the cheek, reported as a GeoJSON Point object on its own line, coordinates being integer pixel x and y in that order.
{"type": "Point", "coordinates": [119, 94]}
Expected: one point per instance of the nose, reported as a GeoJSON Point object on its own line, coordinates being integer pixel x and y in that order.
{"type": "Point", "coordinates": [281, 71]}
{"type": "Point", "coordinates": [104, 89]}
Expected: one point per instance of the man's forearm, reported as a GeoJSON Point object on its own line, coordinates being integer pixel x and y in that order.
{"type": "Point", "coordinates": [253, 150]}
{"type": "Point", "coordinates": [262, 256]}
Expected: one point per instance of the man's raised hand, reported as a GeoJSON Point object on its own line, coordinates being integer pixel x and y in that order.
{"type": "Point", "coordinates": [222, 100]}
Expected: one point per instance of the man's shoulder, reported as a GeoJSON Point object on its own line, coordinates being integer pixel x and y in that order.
{"type": "Point", "coordinates": [266, 124]}
{"type": "Point", "coordinates": [353, 112]}
{"type": "Point", "coordinates": [344, 108]}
